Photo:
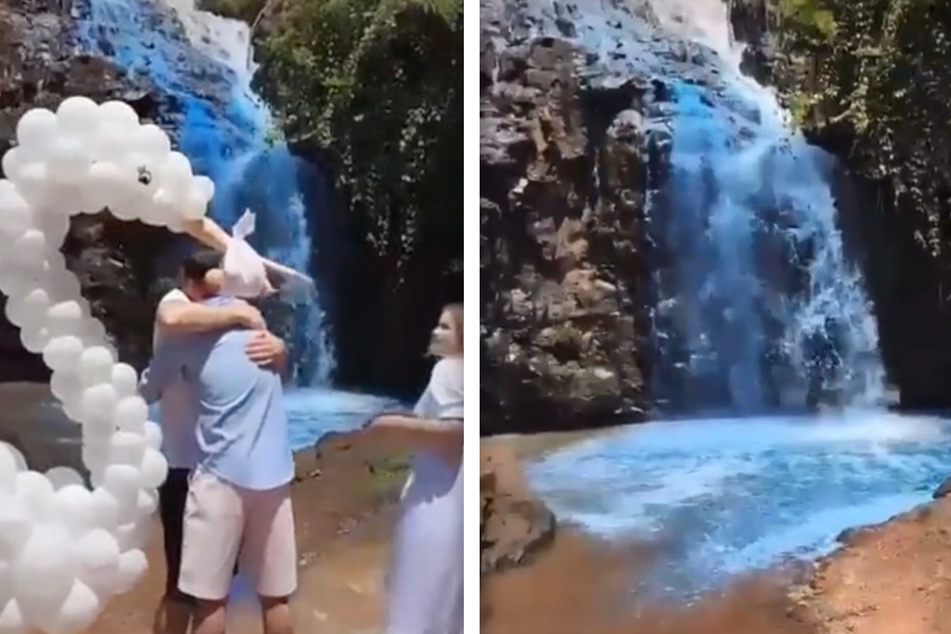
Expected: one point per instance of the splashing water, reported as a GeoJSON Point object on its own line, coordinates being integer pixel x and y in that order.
{"type": "Point", "coordinates": [775, 315]}
{"type": "Point", "coordinates": [224, 131]}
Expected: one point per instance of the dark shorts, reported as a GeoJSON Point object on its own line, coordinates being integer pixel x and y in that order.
{"type": "Point", "coordinates": [172, 497]}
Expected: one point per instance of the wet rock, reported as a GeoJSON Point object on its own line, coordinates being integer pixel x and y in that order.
{"type": "Point", "coordinates": [943, 490]}
{"type": "Point", "coordinates": [513, 527]}
{"type": "Point", "coordinates": [562, 258]}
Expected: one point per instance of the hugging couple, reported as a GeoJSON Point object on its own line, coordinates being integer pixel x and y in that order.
{"type": "Point", "coordinates": [217, 374]}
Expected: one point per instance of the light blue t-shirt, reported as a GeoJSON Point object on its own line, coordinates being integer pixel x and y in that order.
{"type": "Point", "coordinates": [242, 426]}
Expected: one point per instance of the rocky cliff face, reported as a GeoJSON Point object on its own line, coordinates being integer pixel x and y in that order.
{"type": "Point", "coordinates": [115, 261]}
{"type": "Point", "coordinates": [564, 175]}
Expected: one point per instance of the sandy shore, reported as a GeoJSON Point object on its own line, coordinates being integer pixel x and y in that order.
{"type": "Point", "coordinates": [343, 501]}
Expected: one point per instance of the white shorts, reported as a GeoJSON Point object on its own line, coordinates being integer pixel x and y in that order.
{"type": "Point", "coordinates": [225, 524]}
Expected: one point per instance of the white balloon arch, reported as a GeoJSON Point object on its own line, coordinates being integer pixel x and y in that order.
{"type": "Point", "coordinates": [65, 549]}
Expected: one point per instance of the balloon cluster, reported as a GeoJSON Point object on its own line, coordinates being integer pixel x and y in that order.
{"type": "Point", "coordinates": [65, 549]}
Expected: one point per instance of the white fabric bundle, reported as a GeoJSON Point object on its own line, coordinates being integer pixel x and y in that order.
{"type": "Point", "coordinates": [244, 272]}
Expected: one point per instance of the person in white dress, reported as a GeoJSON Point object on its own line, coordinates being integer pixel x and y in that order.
{"type": "Point", "coordinates": [425, 577]}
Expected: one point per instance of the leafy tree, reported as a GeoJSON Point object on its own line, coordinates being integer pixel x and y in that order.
{"type": "Point", "coordinates": [377, 83]}
{"type": "Point", "coordinates": [877, 72]}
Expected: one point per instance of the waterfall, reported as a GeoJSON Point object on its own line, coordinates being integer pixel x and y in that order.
{"type": "Point", "coordinates": [206, 63]}
{"type": "Point", "coordinates": [761, 310]}
{"type": "Point", "coordinates": [757, 306]}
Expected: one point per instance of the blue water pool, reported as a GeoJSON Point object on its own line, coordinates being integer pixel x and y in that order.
{"type": "Point", "coordinates": [727, 496]}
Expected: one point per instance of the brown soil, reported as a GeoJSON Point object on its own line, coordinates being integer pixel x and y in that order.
{"type": "Point", "coordinates": [579, 585]}
{"type": "Point", "coordinates": [343, 506]}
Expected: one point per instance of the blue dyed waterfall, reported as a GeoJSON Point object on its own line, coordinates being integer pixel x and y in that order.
{"type": "Point", "coordinates": [204, 62]}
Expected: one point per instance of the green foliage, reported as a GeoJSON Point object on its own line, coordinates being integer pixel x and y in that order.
{"type": "Point", "coordinates": [884, 81]}
{"type": "Point", "coordinates": [377, 83]}
{"type": "Point", "coordinates": [811, 18]}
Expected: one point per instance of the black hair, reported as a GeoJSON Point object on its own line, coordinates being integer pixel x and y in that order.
{"type": "Point", "coordinates": [197, 263]}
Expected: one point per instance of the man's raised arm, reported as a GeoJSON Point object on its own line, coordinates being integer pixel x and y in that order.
{"type": "Point", "coordinates": [182, 316]}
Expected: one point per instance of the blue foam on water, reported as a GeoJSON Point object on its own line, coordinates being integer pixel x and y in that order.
{"type": "Point", "coordinates": [727, 496]}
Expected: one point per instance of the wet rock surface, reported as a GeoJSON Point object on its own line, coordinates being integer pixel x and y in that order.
{"type": "Point", "coordinates": [574, 145]}
{"type": "Point", "coordinates": [563, 179]}
{"type": "Point", "coordinates": [514, 525]}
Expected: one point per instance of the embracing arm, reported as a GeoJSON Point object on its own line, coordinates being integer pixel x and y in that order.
{"type": "Point", "coordinates": [268, 351]}
{"type": "Point", "coordinates": [166, 366]}
{"type": "Point", "coordinates": [183, 317]}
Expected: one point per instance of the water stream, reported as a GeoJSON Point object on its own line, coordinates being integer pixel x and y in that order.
{"type": "Point", "coordinates": [224, 128]}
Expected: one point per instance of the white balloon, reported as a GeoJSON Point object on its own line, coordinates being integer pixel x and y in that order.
{"type": "Point", "coordinates": [66, 385]}
{"type": "Point", "coordinates": [10, 164]}
{"type": "Point", "coordinates": [123, 481]}
{"type": "Point", "coordinates": [175, 171]}
{"type": "Point", "coordinates": [132, 565]}
{"type": "Point", "coordinates": [96, 365]}
{"type": "Point", "coordinates": [77, 612]}
{"type": "Point", "coordinates": [102, 187]}
{"type": "Point", "coordinates": [146, 504]}
{"type": "Point", "coordinates": [64, 319]}
{"type": "Point", "coordinates": [153, 435]}
{"type": "Point", "coordinates": [204, 187]}
{"type": "Point", "coordinates": [37, 128]}
{"type": "Point", "coordinates": [33, 182]}
{"type": "Point", "coordinates": [98, 553]}
{"type": "Point", "coordinates": [131, 413]}
{"type": "Point", "coordinates": [15, 214]}
{"type": "Point", "coordinates": [28, 309]}
{"type": "Point", "coordinates": [61, 477]}
{"type": "Point", "coordinates": [107, 509]}
{"type": "Point", "coordinates": [29, 249]}
{"type": "Point", "coordinates": [99, 404]}
{"type": "Point", "coordinates": [8, 469]}
{"type": "Point", "coordinates": [54, 226]}
{"type": "Point", "coordinates": [125, 379]}
{"type": "Point", "coordinates": [11, 620]}
{"type": "Point", "coordinates": [68, 162]}
{"type": "Point", "coordinates": [16, 525]}
{"type": "Point", "coordinates": [34, 340]}
{"type": "Point", "coordinates": [44, 570]}
{"type": "Point", "coordinates": [94, 335]}
{"type": "Point", "coordinates": [118, 115]}
{"type": "Point", "coordinates": [7, 582]}
{"type": "Point", "coordinates": [78, 115]}
{"type": "Point", "coordinates": [152, 141]}
{"type": "Point", "coordinates": [127, 448]}
{"type": "Point", "coordinates": [74, 507]}
{"type": "Point", "coordinates": [154, 469]}
{"type": "Point", "coordinates": [63, 352]}
{"type": "Point", "coordinates": [17, 455]}
{"type": "Point", "coordinates": [195, 206]}
{"type": "Point", "coordinates": [35, 492]}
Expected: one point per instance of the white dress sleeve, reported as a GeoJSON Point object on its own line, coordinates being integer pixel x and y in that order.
{"type": "Point", "coordinates": [443, 398]}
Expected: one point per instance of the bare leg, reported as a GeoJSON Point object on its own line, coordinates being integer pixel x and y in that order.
{"type": "Point", "coordinates": [276, 616]}
{"type": "Point", "coordinates": [210, 617]}
{"type": "Point", "coordinates": [173, 616]}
